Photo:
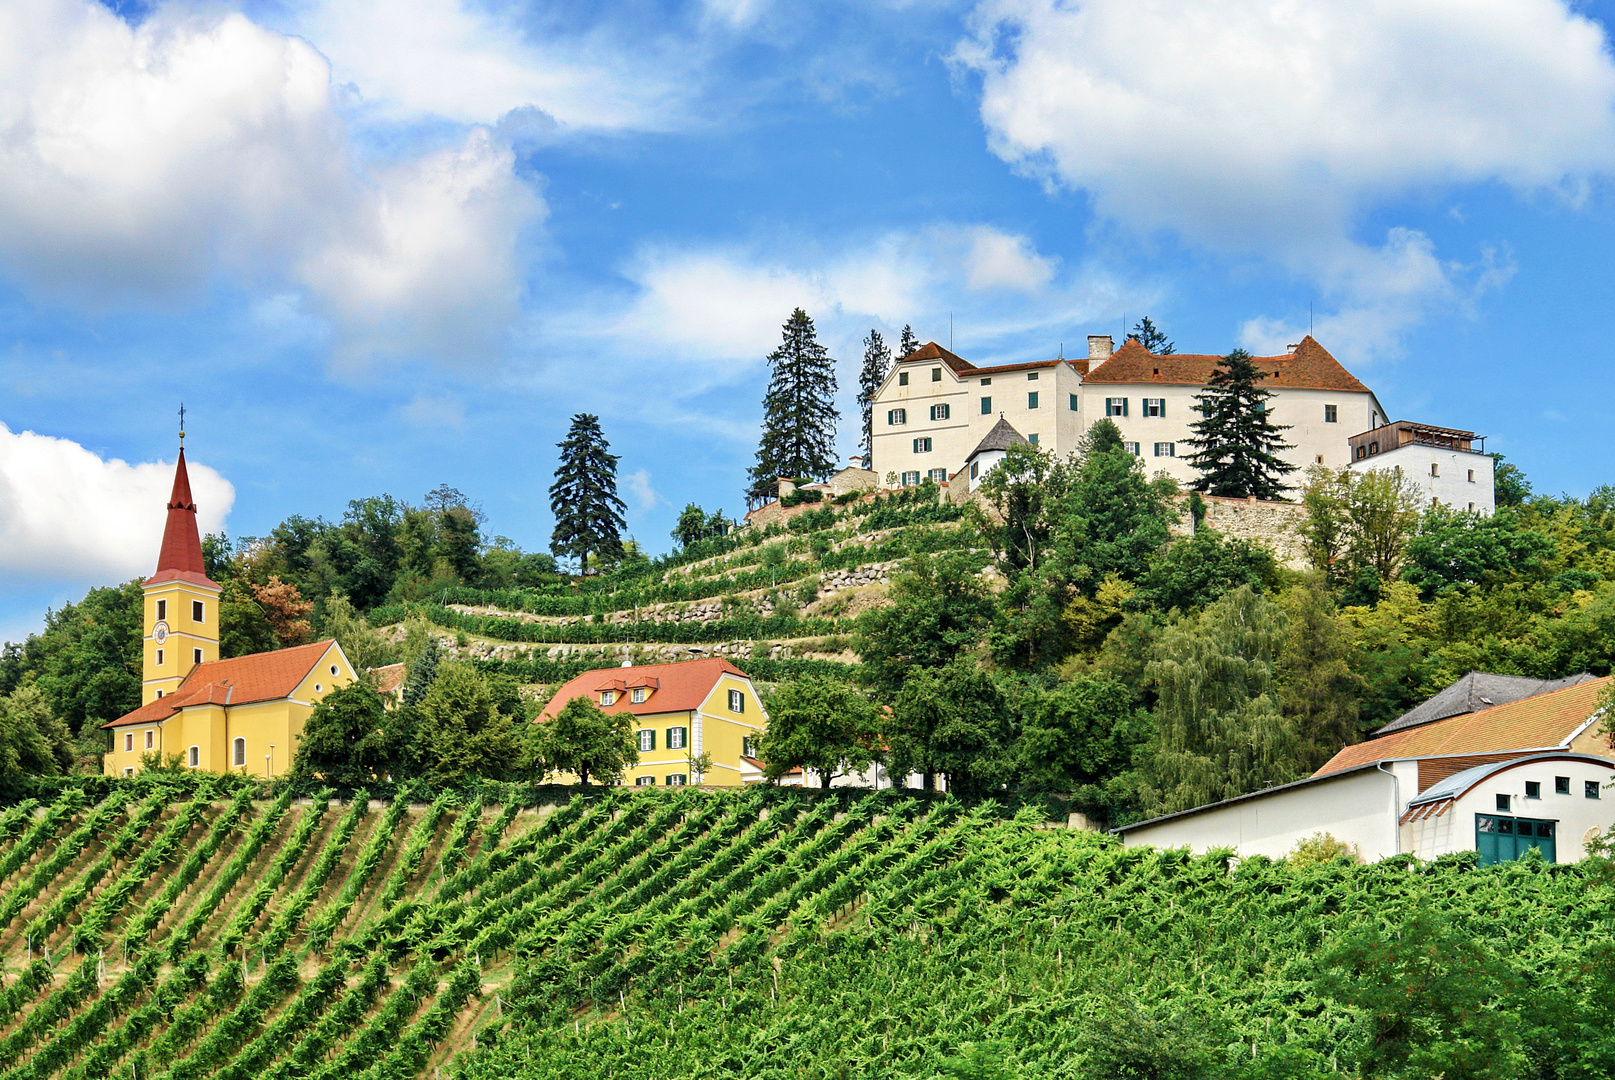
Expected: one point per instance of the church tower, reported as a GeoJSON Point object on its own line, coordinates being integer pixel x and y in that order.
{"type": "Point", "coordinates": [182, 604]}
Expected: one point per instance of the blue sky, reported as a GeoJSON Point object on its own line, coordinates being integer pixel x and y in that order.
{"type": "Point", "coordinates": [375, 247]}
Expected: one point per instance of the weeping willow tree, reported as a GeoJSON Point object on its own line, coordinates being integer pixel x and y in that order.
{"type": "Point", "coordinates": [1220, 731]}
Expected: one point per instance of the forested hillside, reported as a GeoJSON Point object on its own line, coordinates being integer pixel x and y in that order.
{"type": "Point", "coordinates": [184, 929]}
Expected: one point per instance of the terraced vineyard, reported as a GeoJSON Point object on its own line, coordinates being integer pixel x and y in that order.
{"type": "Point", "coordinates": [756, 933]}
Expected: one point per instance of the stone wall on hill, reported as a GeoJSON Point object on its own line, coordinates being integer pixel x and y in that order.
{"type": "Point", "coordinates": [1274, 525]}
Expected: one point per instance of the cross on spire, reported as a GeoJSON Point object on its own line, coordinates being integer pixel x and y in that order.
{"type": "Point", "coordinates": [182, 423]}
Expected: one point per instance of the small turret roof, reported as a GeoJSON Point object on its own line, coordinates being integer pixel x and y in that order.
{"type": "Point", "coordinates": [181, 555]}
{"type": "Point", "coordinates": [1001, 437]}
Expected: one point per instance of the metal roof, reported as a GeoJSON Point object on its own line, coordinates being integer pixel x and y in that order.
{"type": "Point", "coordinates": [1454, 786]}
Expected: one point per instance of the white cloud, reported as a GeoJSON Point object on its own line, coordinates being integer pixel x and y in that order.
{"type": "Point", "coordinates": [1000, 261]}
{"type": "Point", "coordinates": [644, 495]}
{"type": "Point", "coordinates": [66, 513]}
{"type": "Point", "coordinates": [434, 411]}
{"type": "Point", "coordinates": [143, 161]}
{"type": "Point", "coordinates": [460, 61]}
{"type": "Point", "coordinates": [1251, 126]}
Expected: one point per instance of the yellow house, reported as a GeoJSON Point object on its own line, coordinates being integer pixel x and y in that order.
{"type": "Point", "coordinates": [680, 711]}
{"type": "Point", "coordinates": [242, 715]}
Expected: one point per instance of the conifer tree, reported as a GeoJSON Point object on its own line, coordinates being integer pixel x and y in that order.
{"type": "Point", "coordinates": [799, 411]}
{"type": "Point", "coordinates": [908, 343]}
{"type": "Point", "coordinates": [1236, 443]}
{"type": "Point", "coordinates": [1147, 334]}
{"type": "Point", "coordinates": [588, 514]}
{"type": "Point", "coordinates": [877, 362]}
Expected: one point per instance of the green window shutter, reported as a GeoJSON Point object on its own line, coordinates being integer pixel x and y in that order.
{"type": "Point", "coordinates": [1031, 400]}
{"type": "Point", "coordinates": [1073, 403]}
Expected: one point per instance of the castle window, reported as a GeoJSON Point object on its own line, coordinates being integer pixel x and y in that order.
{"type": "Point", "coordinates": [737, 701]}
{"type": "Point", "coordinates": [1031, 400]}
{"type": "Point", "coordinates": [196, 611]}
{"type": "Point", "coordinates": [1153, 406]}
{"type": "Point", "coordinates": [902, 378]}
{"type": "Point", "coordinates": [912, 478]}
{"type": "Point", "coordinates": [939, 475]}
{"type": "Point", "coordinates": [922, 446]}
{"type": "Point", "coordinates": [195, 756]}
{"type": "Point", "coordinates": [647, 740]}
{"type": "Point", "coordinates": [939, 412]}
{"type": "Point", "coordinates": [1435, 470]}
{"type": "Point", "coordinates": [1132, 448]}
{"type": "Point", "coordinates": [238, 754]}
{"type": "Point", "coordinates": [1074, 403]}
{"type": "Point", "coordinates": [196, 656]}
{"type": "Point", "coordinates": [151, 739]}
{"type": "Point", "coordinates": [1031, 376]}
{"type": "Point", "coordinates": [1115, 406]}
{"type": "Point", "coordinates": [639, 695]}
{"type": "Point", "coordinates": [1166, 449]}
{"type": "Point", "coordinates": [896, 417]}
{"type": "Point", "coordinates": [987, 382]}
{"type": "Point", "coordinates": [936, 374]}
{"type": "Point", "coordinates": [608, 697]}
{"type": "Point", "coordinates": [645, 781]}
{"type": "Point", "coordinates": [675, 738]}
{"type": "Point", "coordinates": [1032, 438]}
{"type": "Point", "coordinates": [1362, 452]}
{"type": "Point", "coordinates": [162, 610]}
{"type": "Point", "coordinates": [1373, 448]}
{"type": "Point", "coordinates": [986, 406]}
{"type": "Point", "coordinates": [1471, 476]}
{"type": "Point", "coordinates": [1320, 459]}
{"type": "Point", "coordinates": [129, 745]}
{"type": "Point", "coordinates": [1330, 414]}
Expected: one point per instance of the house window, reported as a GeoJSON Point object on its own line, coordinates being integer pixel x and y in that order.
{"type": "Point", "coordinates": [1533, 789]}
{"type": "Point", "coordinates": [986, 382]}
{"type": "Point", "coordinates": [1153, 406]}
{"type": "Point", "coordinates": [1330, 414]}
{"type": "Point", "coordinates": [647, 740]}
{"type": "Point", "coordinates": [675, 738]}
{"type": "Point", "coordinates": [748, 747]}
{"type": "Point", "coordinates": [645, 781]}
{"type": "Point", "coordinates": [608, 697]}
{"type": "Point", "coordinates": [1031, 400]}
{"type": "Point", "coordinates": [737, 701]}
{"type": "Point", "coordinates": [896, 417]}
{"type": "Point", "coordinates": [334, 670]}
{"type": "Point", "coordinates": [1502, 802]}
{"type": "Point", "coordinates": [1132, 448]}
{"type": "Point", "coordinates": [1471, 476]}
{"type": "Point", "coordinates": [162, 610]}
{"type": "Point", "coordinates": [1499, 839]}
{"type": "Point", "coordinates": [939, 475]}
{"type": "Point", "coordinates": [238, 752]}
{"type": "Point", "coordinates": [196, 656]}
{"type": "Point", "coordinates": [986, 406]}
{"type": "Point", "coordinates": [1561, 785]}
{"type": "Point", "coordinates": [975, 469]}
{"type": "Point", "coordinates": [1373, 448]}
{"type": "Point", "coordinates": [159, 663]}
{"type": "Point", "coordinates": [936, 374]}
{"type": "Point", "coordinates": [1115, 406]}
{"type": "Point", "coordinates": [922, 446]}
{"type": "Point", "coordinates": [911, 479]}
{"type": "Point", "coordinates": [639, 695]}
{"type": "Point", "coordinates": [1435, 470]}
{"type": "Point", "coordinates": [196, 756]}
{"type": "Point", "coordinates": [129, 745]}
{"type": "Point", "coordinates": [128, 770]}
{"type": "Point", "coordinates": [1589, 789]}
{"type": "Point", "coordinates": [196, 611]}
{"type": "Point", "coordinates": [318, 688]}
{"type": "Point", "coordinates": [939, 412]}
{"type": "Point", "coordinates": [1032, 438]}
{"type": "Point", "coordinates": [902, 378]}
{"type": "Point", "coordinates": [1073, 403]}
{"type": "Point", "coordinates": [675, 779]}
{"type": "Point", "coordinates": [151, 739]}
{"type": "Point", "coordinates": [1362, 452]}
{"type": "Point", "coordinates": [1166, 449]}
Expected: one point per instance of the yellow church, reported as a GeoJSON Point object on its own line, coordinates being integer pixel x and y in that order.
{"type": "Point", "coordinates": [242, 715]}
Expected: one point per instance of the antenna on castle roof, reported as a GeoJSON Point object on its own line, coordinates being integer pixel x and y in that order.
{"type": "Point", "coordinates": [1309, 318]}
{"type": "Point", "coordinates": [950, 331]}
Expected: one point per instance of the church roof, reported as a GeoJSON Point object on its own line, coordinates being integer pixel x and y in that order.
{"type": "Point", "coordinates": [1309, 367]}
{"type": "Point", "coordinates": [180, 558]}
{"type": "Point", "coordinates": [241, 680]}
{"type": "Point", "coordinates": [1001, 437]}
{"type": "Point", "coordinates": [676, 687]}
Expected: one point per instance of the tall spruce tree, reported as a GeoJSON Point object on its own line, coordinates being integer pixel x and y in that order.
{"type": "Point", "coordinates": [1147, 334]}
{"type": "Point", "coordinates": [799, 411]}
{"type": "Point", "coordinates": [588, 514]}
{"type": "Point", "coordinates": [908, 343]}
{"type": "Point", "coordinates": [877, 362]}
{"type": "Point", "coordinates": [1236, 442]}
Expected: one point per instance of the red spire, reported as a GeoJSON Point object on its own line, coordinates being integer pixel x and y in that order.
{"type": "Point", "coordinates": [181, 556]}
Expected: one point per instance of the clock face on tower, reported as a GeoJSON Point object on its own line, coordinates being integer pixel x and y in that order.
{"type": "Point", "coordinates": [159, 632]}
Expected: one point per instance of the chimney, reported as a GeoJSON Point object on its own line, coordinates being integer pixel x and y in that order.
{"type": "Point", "coordinates": [1100, 347]}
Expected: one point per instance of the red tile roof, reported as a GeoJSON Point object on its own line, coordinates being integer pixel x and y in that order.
{"type": "Point", "coordinates": [180, 557]}
{"type": "Point", "coordinates": [265, 676]}
{"type": "Point", "coordinates": [1309, 367]}
{"type": "Point", "coordinates": [679, 687]}
{"type": "Point", "coordinates": [1533, 723]}
{"type": "Point", "coordinates": [932, 351]}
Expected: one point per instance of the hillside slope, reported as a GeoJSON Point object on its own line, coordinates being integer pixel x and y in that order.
{"type": "Point", "coordinates": [756, 933]}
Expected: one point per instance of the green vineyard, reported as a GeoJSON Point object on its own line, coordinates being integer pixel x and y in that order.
{"type": "Point", "coordinates": [206, 933]}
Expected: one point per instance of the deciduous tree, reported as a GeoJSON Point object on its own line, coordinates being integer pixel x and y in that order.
{"type": "Point", "coordinates": [462, 733]}
{"type": "Point", "coordinates": [955, 721]}
{"type": "Point", "coordinates": [820, 724]}
{"type": "Point", "coordinates": [588, 513]}
{"type": "Point", "coordinates": [586, 741]}
{"type": "Point", "coordinates": [938, 609]}
{"type": "Point", "coordinates": [286, 611]}
{"type": "Point", "coordinates": [33, 740]}
{"type": "Point", "coordinates": [344, 741]}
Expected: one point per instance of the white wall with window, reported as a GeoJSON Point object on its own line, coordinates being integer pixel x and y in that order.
{"type": "Point", "coordinates": [1459, 478]}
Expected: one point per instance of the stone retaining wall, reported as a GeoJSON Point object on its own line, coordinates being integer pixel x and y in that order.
{"type": "Point", "coordinates": [1274, 525]}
